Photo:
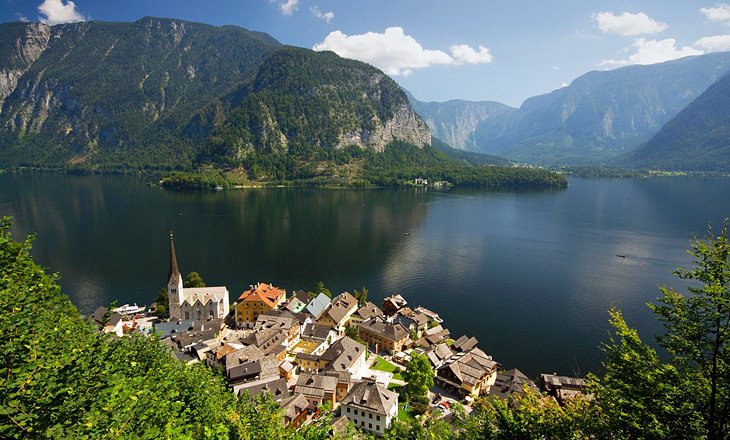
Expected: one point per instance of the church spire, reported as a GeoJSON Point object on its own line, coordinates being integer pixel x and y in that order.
{"type": "Point", "coordinates": [174, 271]}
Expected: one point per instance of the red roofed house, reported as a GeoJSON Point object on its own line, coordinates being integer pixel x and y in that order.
{"type": "Point", "coordinates": [257, 300]}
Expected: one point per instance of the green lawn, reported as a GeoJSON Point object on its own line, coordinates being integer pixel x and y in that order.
{"type": "Point", "coordinates": [381, 364]}
{"type": "Point", "coordinates": [395, 387]}
{"type": "Point", "coordinates": [403, 415]}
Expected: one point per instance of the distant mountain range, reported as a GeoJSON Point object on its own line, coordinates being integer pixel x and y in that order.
{"type": "Point", "coordinates": [600, 116]}
{"type": "Point", "coordinates": [697, 139]}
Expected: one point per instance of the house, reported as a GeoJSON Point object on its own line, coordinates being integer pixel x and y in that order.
{"type": "Point", "coordinates": [344, 355]}
{"type": "Point", "coordinates": [266, 367]}
{"type": "Point", "coordinates": [561, 387]}
{"type": "Point", "coordinates": [256, 301]}
{"type": "Point", "coordinates": [115, 325]}
{"type": "Point", "coordinates": [431, 315]}
{"type": "Point", "coordinates": [318, 389]}
{"type": "Point", "coordinates": [370, 407]}
{"type": "Point", "coordinates": [465, 343]}
{"type": "Point", "coordinates": [338, 312]}
{"type": "Point", "coordinates": [274, 386]}
{"type": "Point", "coordinates": [295, 410]}
{"type": "Point", "coordinates": [249, 353]}
{"type": "Point", "coordinates": [433, 336]}
{"type": "Point", "coordinates": [365, 312]}
{"type": "Point", "coordinates": [385, 335]}
{"type": "Point", "coordinates": [193, 302]}
{"type": "Point", "coordinates": [317, 306]}
{"type": "Point", "coordinates": [98, 316]}
{"type": "Point", "coordinates": [411, 320]}
{"type": "Point", "coordinates": [295, 305]}
{"type": "Point", "coordinates": [438, 354]}
{"type": "Point", "coordinates": [391, 304]}
{"type": "Point", "coordinates": [509, 383]}
{"type": "Point", "coordinates": [288, 324]}
{"type": "Point", "coordinates": [468, 374]}
{"type": "Point", "coordinates": [272, 341]}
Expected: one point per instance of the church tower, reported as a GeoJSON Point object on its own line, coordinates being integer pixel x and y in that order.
{"type": "Point", "coordinates": [174, 284]}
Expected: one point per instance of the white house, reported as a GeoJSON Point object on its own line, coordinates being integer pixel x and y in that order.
{"type": "Point", "coordinates": [370, 407]}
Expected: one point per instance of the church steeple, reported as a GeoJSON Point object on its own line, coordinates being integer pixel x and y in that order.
{"type": "Point", "coordinates": [174, 275]}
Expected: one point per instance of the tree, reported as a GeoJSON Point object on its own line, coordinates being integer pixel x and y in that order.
{"type": "Point", "coordinates": [361, 295]}
{"type": "Point", "coordinates": [419, 374]}
{"type": "Point", "coordinates": [193, 280]}
{"type": "Point", "coordinates": [163, 303]}
{"type": "Point", "coordinates": [640, 396]}
{"type": "Point", "coordinates": [698, 328]}
{"type": "Point", "coordinates": [320, 288]}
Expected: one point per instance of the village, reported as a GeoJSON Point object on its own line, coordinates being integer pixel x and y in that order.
{"type": "Point", "coordinates": [313, 354]}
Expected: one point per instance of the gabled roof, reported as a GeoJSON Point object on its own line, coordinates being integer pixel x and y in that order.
{"type": "Point", "coordinates": [295, 305]}
{"type": "Point", "coordinates": [341, 306]}
{"type": "Point", "coordinates": [372, 397]}
{"type": "Point", "coordinates": [275, 387]}
{"type": "Point", "coordinates": [98, 315]}
{"type": "Point", "coordinates": [265, 293]}
{"type": "Point", "coordinates": [203, 295]}
{"type": "Point", "coordinates": [341, 355]}
{"type": "Point", "coordinates": [394, 332]}
{"type": "Point", "coordinates": [510, 382]}
{"type": "Point", "coordinates": [301, 296]}
{"type": "Point", "coordinates": [315, 385]}
{"type": "Point", "coordinates": [469, 367]}
{"type": "Point", "coordinates": [266, 321]}
{"type": "Point", "coordinates": [465, 343]}
{"type": "Point", "coordinates": [316, 332]}
{"type": "Point", "coordinates": [262, 368]}
{"type": "Point", "coordinates": [293, 406]}
{"type": "Point", "coordinates": [369, 310]}
{"type": "Point", "coordinates": [318, 305]}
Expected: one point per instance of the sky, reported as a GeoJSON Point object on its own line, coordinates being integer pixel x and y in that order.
{"type": "Point", "coordinates": [478, 50]}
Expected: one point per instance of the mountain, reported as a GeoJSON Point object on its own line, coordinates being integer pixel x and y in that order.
{"type": "Point", "coordinates": [454, 121]}
{"type": "Point", "coordinates": [166, 93]}
{"type": "Point", "coordinates": [97, 92]}
{"type": "Point", "coordinates": [601, 114]}
{"type": "Point", "coordinates": [697, 139]}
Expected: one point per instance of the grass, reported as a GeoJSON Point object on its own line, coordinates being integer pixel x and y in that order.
{"type": "Point", "coordinates": [403, 415]}
{"type": "Point", "coordinates": [395, 387]}
{"type": "Point", "coordinates": [381, 364]}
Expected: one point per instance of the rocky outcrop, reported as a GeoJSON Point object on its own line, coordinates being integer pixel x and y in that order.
{"type": "Point", "coordinates": [27, 46]}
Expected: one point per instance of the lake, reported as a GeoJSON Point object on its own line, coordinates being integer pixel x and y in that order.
{"type": "Point", "coordinates": [531, 274]}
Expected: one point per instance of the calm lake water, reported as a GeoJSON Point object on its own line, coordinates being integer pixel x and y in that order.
{"type": "Point", "coordinates": [531, 274]}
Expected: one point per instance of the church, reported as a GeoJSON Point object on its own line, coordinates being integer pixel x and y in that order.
{"type": "Point", "coordinates": [193, 302]}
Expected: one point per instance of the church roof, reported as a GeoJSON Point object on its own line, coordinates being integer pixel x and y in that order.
{"type": "Point", "coordinates": [191, 295]}
{"type": "Point", "coordinates": [174, 276]}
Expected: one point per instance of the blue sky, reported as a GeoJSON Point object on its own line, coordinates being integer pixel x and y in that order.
{"type": "Point", "coordinates": [502, 51]}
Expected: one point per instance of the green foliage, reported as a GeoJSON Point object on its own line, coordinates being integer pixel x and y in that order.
{"type": "Point", "coordinates": [361, 296]}
{"type": "Point", "coordinates": [163, 303]}
{"type": "Point", "coordinates": [698, 329]}
{"type": "Point", "coordinates": [420, 377]}
{"type": "Point", "coordinates": [193, 280]}
{"type": "Point", "coordinates": [63, 379]}
{"type": "Point", "coordinates": [320, 288]}
{"type": "Point", "coordinates": [202, 179]}
{"type": "Point", "coordinates": [640, 396]}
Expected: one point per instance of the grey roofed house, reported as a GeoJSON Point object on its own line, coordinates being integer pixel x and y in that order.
{"type": "Point", "coordinates": [293, 406]}
{"type": "Point", "coordinates": [315, 332]}
{"type": "Point", "coordinates": [188, 339]}
{"type": "Point", "coordinates": [258, 369]}
{"type": "Point", "coordinates": [372, 397]}
{"type": "Point", "coordinates": [561, 387]}
{"type": "Point", "coordinates": [165, 329]}
{"type": "Point", "coordinates": [438, 354]}
{"type": "Point", "coordinates": [338, 426]}
{"type": "Point", "coordinates": [465, 343]}
{"type": "Point", "coordinates": [343, 354]}
{"type": "Point", "coordinates": [342, 305]}
{"type": "Point", "coordinates": [98, 316]}
{"type": "Point", "coordinates": [274, 386]}
{"type": "Point", "coordinates": [265, 337]}
{"type": "Point", "coordinates": [299, 316]}
{"type": "Point", "coordinates": [379, 326]}
{"type": "Point", "coordinates": [295, 305]}
{"type": "Point", "coordinates": [368, 310]}
{"type": "Point", "coordinates": [301, 296]}
{"type": "Point", "coordinates": [432, 315]}
{"type": "Point", "coordinates": [469, 367]}
{"type": "Point", "coordinates": [265, 321]}
{"type": "Point", "coordinates": [316, 385]}
{"type": "Point", "coordinates": [246, 354]}
{"type": "Point", "coordinates": [510, 382]}
{"type": "Point", "coordinates": [318, 305]}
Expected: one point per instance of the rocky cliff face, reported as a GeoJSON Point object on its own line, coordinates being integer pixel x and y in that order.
{"type": "Point", "coordinates": [454, 122]}
{"type": "Point", "coordinates": [404, 125]}
{"type": "Point", "coordinates": [22, 50]}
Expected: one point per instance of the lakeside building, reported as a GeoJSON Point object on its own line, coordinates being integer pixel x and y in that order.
{"type": "Point", "coordinates": [370, 407]}
{"type": "Point", "coordinates": [257, 301]}
{"type": "Point", "coordinates": [197, 303]}
{"type": "Point", "coordinates": [338, 312]}
{"type": "Point", "coordinates": [384, 335]}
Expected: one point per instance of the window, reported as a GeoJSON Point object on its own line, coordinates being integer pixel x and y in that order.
{"type": "Point", "coordinates": [199, 314]}
{"type": "Point", "coordinates": [378, 418]}
{"type": "Point", "coordinates": [187, 315]}
{"type": "Point", "coordinates": [370, 416]}
{"type": "Point", "coordinates": [211, 313]}
{"type": "Point", "coordinates": [370, 425]}
{"type": "Point", "coordinates": [377, 427]}
{"type": "Point", "coordinates": [348, 409]}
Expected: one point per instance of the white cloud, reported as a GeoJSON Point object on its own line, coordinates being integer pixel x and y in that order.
{"type": "Point", "coordinates": [289, 7]}
{"type": "Point", "coordinates": [720, 13]}
{"type": "Point", "coordinates": [21, 17]}
{"type": "Point", "coordinates": [326, 16]}
{"type": "Point", "coordinates": [59, 11]}
{"type": "Point", "coordinates": [463, 54]}
{"type": "Point", "coordinates": [627, 23]}
{"type": "Point", "coordinates": [653, 51]}
{"type": "Point", "coordinates": [396, 53]}
{"type": "Point", "coordinates": [715, 43]}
